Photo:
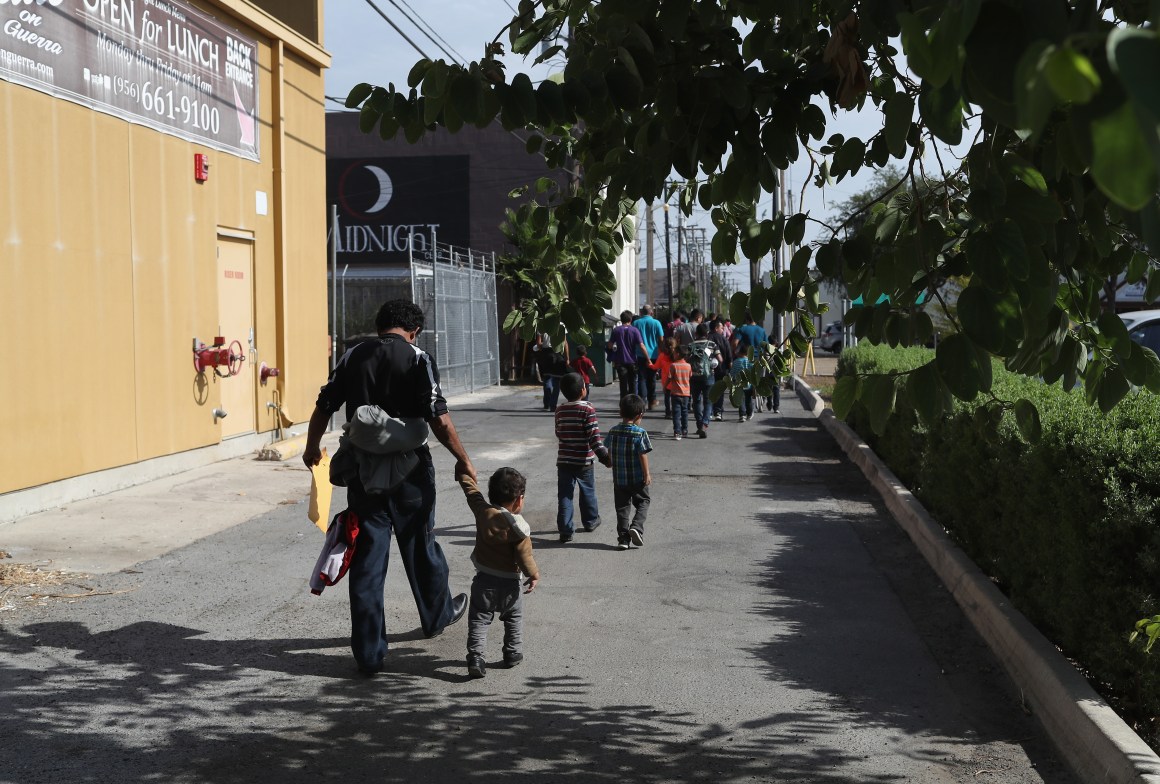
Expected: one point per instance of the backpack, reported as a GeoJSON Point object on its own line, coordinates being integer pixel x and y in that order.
{"type": "Point", "coordinates": [701, 356]}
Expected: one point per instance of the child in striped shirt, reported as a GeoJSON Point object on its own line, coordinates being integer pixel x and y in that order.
{"type": "Point", "coordinates": [580, 446]}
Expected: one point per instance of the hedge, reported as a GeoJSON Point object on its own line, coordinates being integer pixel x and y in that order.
{"type": "Point", "coordinates": [1069, 528]}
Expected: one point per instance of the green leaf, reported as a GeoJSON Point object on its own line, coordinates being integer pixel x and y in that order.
{"type": "Point", "coordinates": [512, 321]}
{"type": "Point", "coordinates": [898, 111]}
{"type": "Point", "coordinates": [1071, 75]}
{"type": "Point", "coordinates": [844, 395]}
{"type": "Point", "coordinates": [1034, 99]}
{"type": "Point", "coordinates": [1027, 419]}
{"type": "Point", "coordinates": [795, 229]}
{"type": "Point", "coordinates": [942, 109]}
{"type": "Point", "coordinates": [738, 304]}
{"type": "Point", "coordinates": [1122, 165]}
{"type": "Point", "coordinates": [962, 367]}
{"type": "Point", "coordinates": [878, 395]}
{"type": "Point", "coordinates": [1134, 56]}
{"type": "Point", "coordinates": [359, 93]}
{"type": "Point", "coordinates": [1113, 387]}
{"type": "Point", "coordinates": [924, 388]}
{"type": "Point", "coordinates": [916, 45]}
{"type": "Point", "coordinates": [1112, 328]}
{"type": "Point", "coordinates": [799, 264]}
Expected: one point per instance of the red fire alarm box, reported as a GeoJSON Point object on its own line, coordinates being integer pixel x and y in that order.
{"type": "Point", "coordinates": [200, 166]}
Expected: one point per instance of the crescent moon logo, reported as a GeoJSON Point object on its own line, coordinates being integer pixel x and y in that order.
{"type": "Point", "coordinates": [386, 188]}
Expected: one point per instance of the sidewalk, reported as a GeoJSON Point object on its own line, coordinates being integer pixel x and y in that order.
{"type": "Point", "coordinates": [776, 627]}
{"type": "Point", "coordinates": [115, 531]}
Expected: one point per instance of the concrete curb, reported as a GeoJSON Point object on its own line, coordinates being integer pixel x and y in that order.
{"type": "Point", "coordinates": [283, 450]}
{"type": "Point", "coordinates": [1096, 742]}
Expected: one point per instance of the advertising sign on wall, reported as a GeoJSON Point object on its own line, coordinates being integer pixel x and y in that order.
{"type": "Point", "coordinates": [386, 204]}
{"type": "Point", "coordinates": [160, 63]}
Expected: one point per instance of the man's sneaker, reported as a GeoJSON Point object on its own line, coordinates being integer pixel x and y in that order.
{"type": "Point", "coordinates": [677, 436]}
{"type": "Point", "coordinates": [702, 434]}
{"type": "Point", "coordinates": [512, 659]}
{"type": "Point", "coordinates": [565, 538]}
{"type": "Point", "coordinates": [593, 526]}
{"type": "Point", "coordinates": [622, 543]}
{"type": "Point", "coordinates": [718, 418]}
{"type": "Point", "coordinates": [476, 666]}
{"type": "Point", "coordinates": [776, 411]}
{"type": "Point", "coordinates": [741, 418]}
{"type": "Point", "coordinates": [636, 537]}
{"type": "Point", "coordinates": [749, 417]}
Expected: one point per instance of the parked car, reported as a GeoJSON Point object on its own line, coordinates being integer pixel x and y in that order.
{"type": "Point", "coordinates": [830, 338]}
{"type": "Point", "coordinates": [1144, 327]}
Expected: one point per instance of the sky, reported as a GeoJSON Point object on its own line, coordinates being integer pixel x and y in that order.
{"type": "Point", "coordinates": [365, 48]}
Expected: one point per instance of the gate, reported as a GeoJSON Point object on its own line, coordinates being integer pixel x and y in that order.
{"type": "Point", "coordinates": [455, 287]}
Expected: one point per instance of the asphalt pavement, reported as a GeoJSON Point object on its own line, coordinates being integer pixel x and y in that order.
{"type": "Point", "coordinates": [777, 626]}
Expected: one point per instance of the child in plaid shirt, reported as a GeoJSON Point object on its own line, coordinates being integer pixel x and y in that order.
{"type": "Point", "coordinates": [628, 444]}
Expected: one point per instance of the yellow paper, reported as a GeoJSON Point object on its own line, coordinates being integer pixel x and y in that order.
{"type": "Point", "coordinates": [320, 489]}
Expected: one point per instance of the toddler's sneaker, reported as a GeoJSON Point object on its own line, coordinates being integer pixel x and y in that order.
{"type": "Point", "coordinates": [622, 543]}
{"type": "Point", "coordinates": [512, 659]}
{"type": "Point", "coordinates": [476, 666]}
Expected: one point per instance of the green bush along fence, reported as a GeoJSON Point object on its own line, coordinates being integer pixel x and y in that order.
{"type": "Point", "coordinates": [1069, 527]}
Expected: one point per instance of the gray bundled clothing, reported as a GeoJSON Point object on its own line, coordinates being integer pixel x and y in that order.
{"type": "Point", "coordinates": [377, 449]}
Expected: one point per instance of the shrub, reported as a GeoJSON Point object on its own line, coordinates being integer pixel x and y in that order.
{"type": "Point", "coordinates": [1068, 527]}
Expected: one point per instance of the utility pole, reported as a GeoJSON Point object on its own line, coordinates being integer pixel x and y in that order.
{"type": "Point", "coordinates": [649, 230]}
{"type": "Point", "coordinates": [680, 243]}
{"type": "Point", "coordinates": [668, 261]}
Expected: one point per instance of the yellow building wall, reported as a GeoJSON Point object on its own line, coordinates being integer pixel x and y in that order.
{"type": "Point", "coordinates": [109, 271]}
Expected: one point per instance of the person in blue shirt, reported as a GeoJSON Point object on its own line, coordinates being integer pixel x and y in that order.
{"type": "Point", "coordinates": [749, 335]}
{"type": "Point", "coordinates": [651, 333]}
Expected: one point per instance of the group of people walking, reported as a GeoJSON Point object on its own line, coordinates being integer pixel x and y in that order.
{"type": "Point", "coordinates": [679, 363]}
{"type": "Point", "coordinates": [390, 391]}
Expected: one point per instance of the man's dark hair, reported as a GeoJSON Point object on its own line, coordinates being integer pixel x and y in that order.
{"type": "Point", "coordinates": [572, 386]}
{"type": "Point", "coordinates": [505, 486]}
{"type": "Point", "coordinates": [702, 329]}
{"type": "Point", "coordinates": [696, 314]}
{"type": "Point", "coordinates": [631, 406]}
{"type": "Point", "coordinates": [626, 317]}
{"type": "Point", "coordinates": [749, 318]}
{"type": "Point", "coordinates": [717, 323]}
{"type": "Point", "coordinates": [399, 313]}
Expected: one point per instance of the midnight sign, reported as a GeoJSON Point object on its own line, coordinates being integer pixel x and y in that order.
{"type": "Point", "coordinates": [389, 206]}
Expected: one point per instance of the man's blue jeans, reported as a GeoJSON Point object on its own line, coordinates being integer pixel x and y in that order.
{"type": "Point", "coordinates": [702, 410]}
{"type": "Point", "coordinates": [408, 512]}
{"type": "Point", "coordinates": [569, 477]}
{"type": "Point", "coordinates": [646, 381]}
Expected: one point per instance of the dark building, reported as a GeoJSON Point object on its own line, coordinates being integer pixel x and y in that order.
{"type": "Point", "coordinates": [453, 188]}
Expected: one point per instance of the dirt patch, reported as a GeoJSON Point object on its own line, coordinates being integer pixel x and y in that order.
{"type": "Point", "coordinates": [25, 584]}
{"type": "Point", "coordinates": [823, 385]}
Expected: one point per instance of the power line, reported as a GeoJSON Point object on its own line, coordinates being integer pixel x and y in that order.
{"type": "Point", "coordinates": [509, 5]}
{"type": "Point", "coordinates": [398, 30]}
{"type": "Point", "coordinates": [461, 60]}
{"type": "Point", "coordinates": [420, 29]}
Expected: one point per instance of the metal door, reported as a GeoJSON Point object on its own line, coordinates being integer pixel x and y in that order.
{"type": "Point", "coordinates": [235, 277]}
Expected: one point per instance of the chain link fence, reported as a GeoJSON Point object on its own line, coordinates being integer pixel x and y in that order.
{"type": "Point", "coordinates": [456, 289]}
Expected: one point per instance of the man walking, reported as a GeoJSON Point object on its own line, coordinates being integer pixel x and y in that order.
{"type": "Point", "coordinates": [687, 332]}
{"type": "Point", "coordinates": [651, 333]}
{"type": "Point", "coordinates": [401, 379]}
{"type": "Point", "coordinates": [623, 346]}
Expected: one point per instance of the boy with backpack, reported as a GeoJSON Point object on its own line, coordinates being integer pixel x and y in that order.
{"type": "Point", "coordinates": [703, 358]}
